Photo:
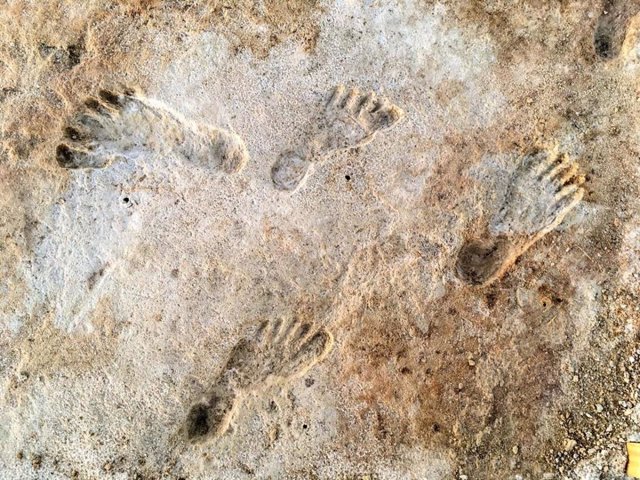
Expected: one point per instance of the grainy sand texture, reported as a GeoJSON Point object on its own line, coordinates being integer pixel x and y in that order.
{"type": "Point", "coordinates": [319, 239]}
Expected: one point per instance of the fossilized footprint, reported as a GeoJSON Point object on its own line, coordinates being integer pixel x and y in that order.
{"type": "Point", "coordinates": [351, 119]}
{"type": "Point", "coordinates": [612, 26]}
{"type": "Point", "coordinates": [279, 352]}
{"type": "Point", "coordinates": [128, 125]}
{"type": "Point", "coordinates": [543, 189]}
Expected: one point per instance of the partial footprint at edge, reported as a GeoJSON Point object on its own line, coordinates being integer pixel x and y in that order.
{"type": "Point", "coordinates": [612, 26]}
{"type": "Point", "coordinates": [543, 189]}
{"type": "Point", "coordinates": [126, 125]}
{"type": "Point", "coordinates": [350, 120]}
{"type": "Point", "coordinates": [278, 353]}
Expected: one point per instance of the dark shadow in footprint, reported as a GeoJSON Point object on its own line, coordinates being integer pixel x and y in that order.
{"type": "Point", "coordinates": [480, 260]}
{"type": "Point", "coordinates": [211, 417]}
{"type": "Point", "coordinates": [612, 26]}
{"type": "Point", "coordinates": [198, 421]}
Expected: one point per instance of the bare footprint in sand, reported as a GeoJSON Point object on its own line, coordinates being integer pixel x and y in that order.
{"type": "Point", "coordinates": [543, 189]}
{"type": "Point", "coordinates": [350, 120]}
{"type": "Point", "coordinates": [278, 353]}
{"type": "Point", "coordinates": [125, 124]}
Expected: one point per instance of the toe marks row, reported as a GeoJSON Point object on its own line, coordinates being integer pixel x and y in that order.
{"type": "Point", "coordinates": [297, 343]}
{"type": "Point", "coordinates": [279, 332]}
{"type": "Point", "coordinates": [103, 128]}
{"type": "Point", "coordinates": [377, 112]}
{"type": "Point", "coordinates": [560, 171]}
{"type": "Point", "coordinates": [84, 134]}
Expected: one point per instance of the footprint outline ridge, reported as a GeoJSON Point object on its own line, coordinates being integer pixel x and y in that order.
{"type": "Point", "coordinates": [279, 352]}
{"type": "Point", "coordinates": [125, 124]}
{"type": "Point", "coordinates": [543, 189]}
{"type": "Point", "coordinates": [350, 119]}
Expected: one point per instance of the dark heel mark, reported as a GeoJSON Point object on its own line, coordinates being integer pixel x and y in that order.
{"type": "Point", "coordinates": [211, 418]}
{"type": "Point", "coordinates": [198, 422]}
{"type": "Point", "coordinates": [612, 26]}
{"type": "Point", "coordinates": [479, 260]}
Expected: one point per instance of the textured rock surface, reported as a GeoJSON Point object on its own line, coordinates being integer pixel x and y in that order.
{"type": "Point", "coordinates": [216, 264]}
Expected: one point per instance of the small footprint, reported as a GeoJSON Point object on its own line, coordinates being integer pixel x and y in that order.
{"type": "Point", "coordinates": [278, 353]}
{"type": "Point", "coordinates": [126, 125]}
{"type": "Point", "coordinates": [543, 189]}
{"type": "Point", "coordinates": [350, 120]}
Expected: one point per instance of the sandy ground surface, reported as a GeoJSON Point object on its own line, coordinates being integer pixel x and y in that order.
{"type": "Point", "coordinates": [214, 263]}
